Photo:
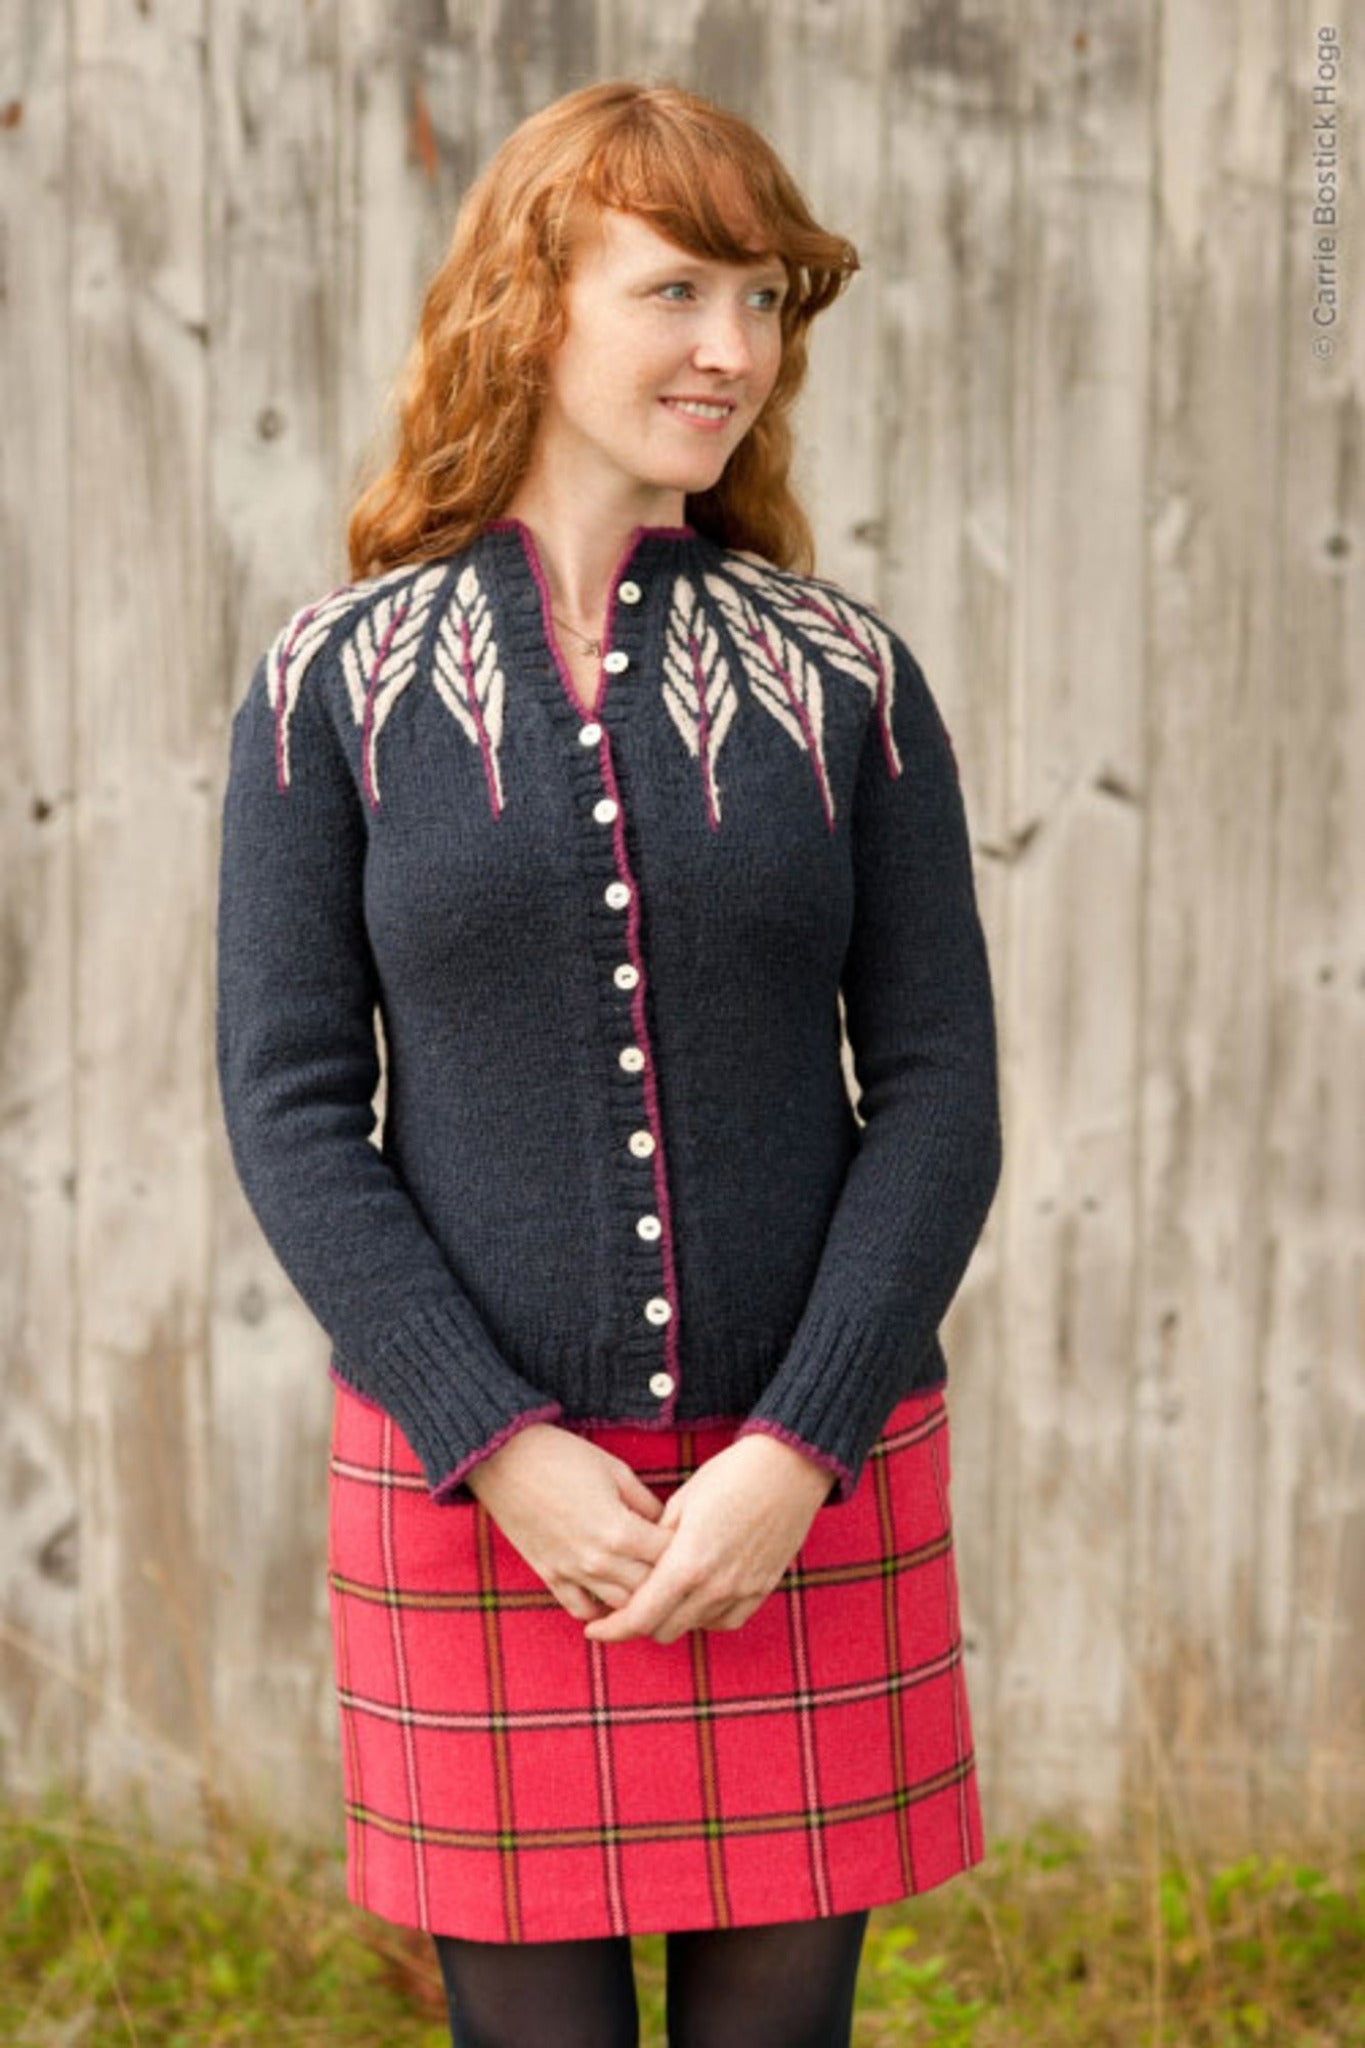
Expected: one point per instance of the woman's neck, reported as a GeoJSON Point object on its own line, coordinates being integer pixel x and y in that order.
{"type": "Point", "coordinates": [580, 543]}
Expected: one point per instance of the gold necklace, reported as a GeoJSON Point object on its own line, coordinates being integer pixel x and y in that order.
{"type": "Point", "coordinates": [590, 646]}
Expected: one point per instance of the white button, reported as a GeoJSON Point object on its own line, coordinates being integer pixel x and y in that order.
{"type": "Point", "coordinates": [589, 734]}
{"type": "Point", "coordinates": [648, 1227]}
{"type": "Point", "coordinates": [631, 1058]}
{"type": "Point", "coordinates": [658, 1309]}
{"type": "Point", "coordinates": [626, 975]}
{"type": "Point", "coordinates": [642, 1143]}
{"type": "Point", "coordinates": [661, 1383]}
{"type": "Point", "coordinates": [615, 662]}
{"type": "Point", "coordinates": [604, 810]}
{"type": "Point", "coordinates": [617, 894]}
{"type": "Point", "coordinates": [629, 593]}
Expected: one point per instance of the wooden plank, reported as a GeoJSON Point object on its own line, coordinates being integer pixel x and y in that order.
{"type": "Point", "coordinates": [946, 199]}
{"type": "Point", "coordinates": [42, 1706]}
{"type": "Point", "coordinates": [1307, 1703]}
{"type": "Point", "coordinates": [143, 746]}
{"type": "Point", "coordinates": [1204, 1039]}
{"type": "Point", "coordinates": [280, 337]}
{"type": "Point", "coordinates": [823, 105]}
{"type": "Point", "coordinates": [1024, 204]}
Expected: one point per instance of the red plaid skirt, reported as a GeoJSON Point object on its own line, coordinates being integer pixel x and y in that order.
{"type": "Point", "coordinates": [508, 1779]}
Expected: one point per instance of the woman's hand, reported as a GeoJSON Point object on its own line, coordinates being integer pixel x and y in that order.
{"type": "Point", "coordinates": [584, 1521]}
{"type": "Point", "coordinates": [735, 1526]}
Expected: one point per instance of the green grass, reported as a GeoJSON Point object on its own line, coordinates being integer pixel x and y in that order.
{"type": "Point", "coordinates": [1052, 1941]}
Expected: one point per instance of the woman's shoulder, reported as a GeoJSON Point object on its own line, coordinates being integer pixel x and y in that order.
{"type": "Point", "coordinates": [331, 618]}
{"type": "Point", "coordinates": [329, 607]}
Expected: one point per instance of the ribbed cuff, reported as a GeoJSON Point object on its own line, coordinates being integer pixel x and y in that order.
{"type": "Point", "coordinates": [452, 1491]}
{"type": "Point", "coordinates": [452, 1393]}
{"type": "Point", "coordinates": [760, 1426]}
{"type": "Point", "coordinates": [839, 1381]}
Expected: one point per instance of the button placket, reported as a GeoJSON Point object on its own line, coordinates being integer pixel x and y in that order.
{"type": "Point", "coordinates": [588, 735]}
{"type": "Point", "coordinates": [656, 1311]}
{"type": "Point", "coordinates": [647, 1352]}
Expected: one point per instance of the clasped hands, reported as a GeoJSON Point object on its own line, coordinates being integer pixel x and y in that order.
{"type": "Point", "coordinates": [628, 1564]}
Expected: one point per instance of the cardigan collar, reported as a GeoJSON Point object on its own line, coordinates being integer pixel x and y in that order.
{"type": "Point", "coordinates": [641, 586]}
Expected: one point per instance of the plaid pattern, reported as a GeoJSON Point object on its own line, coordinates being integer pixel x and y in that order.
{"type": "Point", "coordinates": [508, 1779]}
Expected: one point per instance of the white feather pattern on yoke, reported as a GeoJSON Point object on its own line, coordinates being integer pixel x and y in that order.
{"type": "Point", "coordinates": [469, 677]}
{"type": "Point", "coordinates": [786, 680]}
{"type": "Point", "coordinates": [292, 650]}
{"type": "Point", "coordinates": [379, 660]}
{"type": "Point", "coordinates": [700, 697]}
{"type": "Point", "coordinates": [848, 634]}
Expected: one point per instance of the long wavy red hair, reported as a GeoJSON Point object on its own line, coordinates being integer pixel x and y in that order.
{"type": "Point", "coordinates": [470, 392]}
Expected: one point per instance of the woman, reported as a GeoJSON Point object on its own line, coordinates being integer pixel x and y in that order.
{"type": "Point", "coordinates": [641, 1567]}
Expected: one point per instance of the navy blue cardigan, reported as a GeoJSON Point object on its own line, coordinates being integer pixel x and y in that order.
{"type": "Point", "coordinates": [620, 1175]}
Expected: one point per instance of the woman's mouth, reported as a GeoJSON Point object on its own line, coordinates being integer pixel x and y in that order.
{"type": "Point", "coordinates": [708, 416]}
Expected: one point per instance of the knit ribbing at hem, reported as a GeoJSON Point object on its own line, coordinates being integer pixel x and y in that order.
{"type": "Point", "coordinates": [838, 1383]}
{"type": "Point", "coordinates": [449, 1388]}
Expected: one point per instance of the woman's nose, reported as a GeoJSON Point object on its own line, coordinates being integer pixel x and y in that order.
{"type": "Point", "coordinates": [725, 341]}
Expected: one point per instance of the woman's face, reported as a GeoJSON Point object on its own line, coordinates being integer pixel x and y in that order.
{"type": "Point", "coordinates": [649, 324]}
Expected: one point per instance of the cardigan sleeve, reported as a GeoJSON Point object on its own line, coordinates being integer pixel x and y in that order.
{"type": "Point", "coordinates": [920, 1017]}
{"type": "Point", "coordinates": [297, 1063]}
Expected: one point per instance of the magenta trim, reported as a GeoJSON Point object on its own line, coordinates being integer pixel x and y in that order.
{"type": "Point", "coordinates": [798, 1443]}
{"type": "Point", "coordinates": [509, 523]}
{"type": "Point", "coordinates": [476, 713]}
{"type": "Point", "coordinates": [707, 765]}
{"type": "Point", "coordinates": [302, 619]}
{"type": "Point", "coordinates": [444, 1487]}
{"type": "Point", "coordinates": [371, 683]}
{"type": "Point", "coordinates": [812, 747]}
{"type": "Point", "coordinates": [282, 694]}
{"type": "Point", "coordinates": [604, 679]}
{"type": "Point", "coordinates": [637, 1010]}
{"type": "Point", "coordinates": [867, 647]}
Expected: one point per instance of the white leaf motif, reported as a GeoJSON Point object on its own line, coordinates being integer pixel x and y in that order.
{"type": "Point", "coordinates": [849, 635]}
{"type": "Point", "coordinates": [699, 695]}
{"type": "Point", "coordinates": [294, 647]}
{"type": "Point", "coordinates": [468, 675]}
{"type": "Point", "coordinates": [379, 660]}
{"type": "Point", "coordinates": [783, 677]}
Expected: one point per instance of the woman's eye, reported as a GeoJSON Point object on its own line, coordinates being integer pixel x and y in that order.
{"type": "Point", "coordinates": [771, 293]}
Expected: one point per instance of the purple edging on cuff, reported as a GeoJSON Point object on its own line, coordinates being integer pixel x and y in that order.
{"type": "Point", "coordinates": [444, 1488]}
{"type": "Point", "coordinates": [788, 1436]}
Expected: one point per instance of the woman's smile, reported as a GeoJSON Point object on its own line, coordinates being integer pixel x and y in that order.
{"type": "Point", "coordinates": [709, 415]}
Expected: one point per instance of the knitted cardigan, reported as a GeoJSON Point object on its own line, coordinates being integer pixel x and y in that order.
{"type": "Point", "coordinates": [620, 1176]}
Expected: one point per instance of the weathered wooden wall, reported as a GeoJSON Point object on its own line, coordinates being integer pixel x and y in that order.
{"type": "Point", "coordinates": [1069, 429]}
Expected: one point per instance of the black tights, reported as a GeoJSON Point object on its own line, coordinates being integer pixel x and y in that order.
{"type": "Point", "coordinates": [783, 1984]}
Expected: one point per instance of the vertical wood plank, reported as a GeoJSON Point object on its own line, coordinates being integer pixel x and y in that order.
{"type": "Point", "coordinates": [824, 109]}
{"type": "Point", "coordinates": [1308, 1695]}
{"type": "Point", "coordinates": [950, 335]}
{"type": "Point", "coordinates": [41, 1700]}
{"type": "Point", "coordinates": [143, 749]}
{"type": "Point", "coordinates": [279, 337]}
{"type": "Point", "coordinates": [991, 234]}
{"type": "Point", "coordinates": [1204, 1040]}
